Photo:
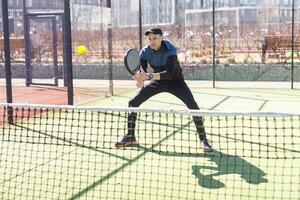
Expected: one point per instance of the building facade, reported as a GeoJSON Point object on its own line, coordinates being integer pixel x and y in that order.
{"type": "Point", "coordinates": [125, 13]}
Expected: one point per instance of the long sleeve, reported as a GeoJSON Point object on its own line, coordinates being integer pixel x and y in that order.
{"type": "Point", "coordinates": [144, 64]}
{"type": "Point", "coordinates": [173, 70]}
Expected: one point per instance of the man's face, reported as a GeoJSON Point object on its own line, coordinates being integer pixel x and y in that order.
{"type": "Point", "coordinates": [154, 40]}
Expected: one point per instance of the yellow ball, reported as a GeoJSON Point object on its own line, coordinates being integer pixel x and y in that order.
{"type": "Point", "coordinates": [81, 50]}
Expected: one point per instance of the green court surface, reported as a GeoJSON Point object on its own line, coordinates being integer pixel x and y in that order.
{"type": "Point", "coordinates": [247, 100]}
{"type": "Point", "coordinates": [70, 154]}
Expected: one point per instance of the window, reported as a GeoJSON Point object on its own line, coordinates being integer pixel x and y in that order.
{"type": "Point", "coordinates": [29, 3]}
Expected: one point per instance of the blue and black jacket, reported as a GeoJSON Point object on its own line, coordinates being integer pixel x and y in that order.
{"type": "Point", "coordinates": [163, 61]}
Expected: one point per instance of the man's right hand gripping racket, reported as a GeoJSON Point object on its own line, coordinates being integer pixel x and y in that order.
{"type": "Point", "coordinates": [132, 61]}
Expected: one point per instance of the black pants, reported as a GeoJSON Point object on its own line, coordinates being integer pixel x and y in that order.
{"type": "Point", "coordinates": [177, 88]}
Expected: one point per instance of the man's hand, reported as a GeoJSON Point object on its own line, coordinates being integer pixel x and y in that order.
{"type": "Point", "coordinates": [139, 84]}
{"type": "Point", "coordinates": [141, 77]}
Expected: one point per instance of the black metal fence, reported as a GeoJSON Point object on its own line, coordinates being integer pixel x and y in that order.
{"type": "Point", "coordinates": [216, 40]}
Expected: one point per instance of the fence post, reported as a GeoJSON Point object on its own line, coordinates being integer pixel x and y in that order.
{"type": "Point", "coordinates": [68, 48]}
{"type": "Point", "coordinates": [7, 60]}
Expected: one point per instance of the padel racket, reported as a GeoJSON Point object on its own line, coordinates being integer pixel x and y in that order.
{"type": "Point", "coordinates": [132, 61]}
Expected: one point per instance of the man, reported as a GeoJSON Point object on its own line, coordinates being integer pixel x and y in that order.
{"type": "Point", "coordinates": [161, 55]}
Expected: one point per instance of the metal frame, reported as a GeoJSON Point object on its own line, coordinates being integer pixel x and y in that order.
{"type": "Point", "coordinates": [28, 16]}
{"type": "Point", "coordinates": [66, 40]}
{"type": "Point", "coordinates": [7, 60]}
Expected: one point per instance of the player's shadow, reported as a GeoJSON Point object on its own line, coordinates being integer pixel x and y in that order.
{"type": "Point", "coordinates": [227, 164]}
{"type": "Point", "coordinates": [221, 164]}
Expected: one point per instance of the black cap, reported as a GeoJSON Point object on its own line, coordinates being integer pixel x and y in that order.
{"type": "Point", "coordinates": [154, 31]}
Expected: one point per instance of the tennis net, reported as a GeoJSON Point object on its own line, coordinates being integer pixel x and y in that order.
{"type": "Point", "coordinates": [66, 152]}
